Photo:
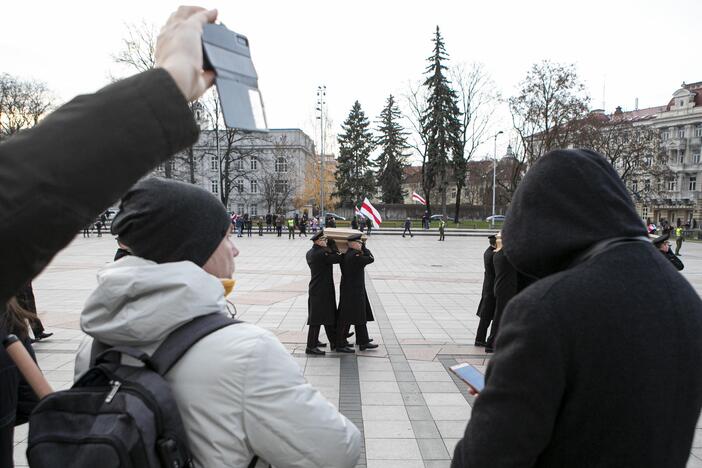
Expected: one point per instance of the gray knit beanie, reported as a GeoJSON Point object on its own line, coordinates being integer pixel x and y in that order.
{"type": "Point", "coordinates": [168, 221]}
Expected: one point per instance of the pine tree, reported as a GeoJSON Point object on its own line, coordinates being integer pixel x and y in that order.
{"type": "Point", "coordinates": [440, 124]}
{"type": "Point", "coordinates": [354, 175]}
{"type": "Point", "coordinates": [392, 159]}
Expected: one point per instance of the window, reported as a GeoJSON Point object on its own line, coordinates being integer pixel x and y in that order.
{"type": "Point", "coordinates": [664, 135]}
{"type": "Point", "coordinates": [634, 186]}
{"type": "Point", "coordinates": [681, 103]}
{"type": "Point", "coordinates": [172, 163]}
{"type": "Point", "coordinates": [453, 194]}
{"type": "Point", "coordinates": [239, 185]}
{"type": "Point", "coordinates": [647, 161]}
{"type": "Point", "coordinates": [214, 163]}
{"type": "Point", "coordinates": [693, 183]}
{"type": "Point", "coordinates": [672, 184]}
{"type": "Point", "coordinates": [281, 165]}
{"type": "Point", "coordinates": [644, 212]}
{"type": "Point", "coordinates": [214, 186]}
{"type": "Point", "coordinates": [254, 186]}
{"type": "Point", "coordinates": [281, 186]}
{"type": "Point", "coordinates": [239, 164]}
{"type": "Point", "coordinates": [254, 164]}
{"type": "Point", "coordinates": [647, 184]}
{"type": "Point", "coordinates": [253, 209]}
{"type": "Point", "coordinates": [696, 157]}
{"type": "Point", "coordinates": [698, 131]}
{"type": "Point", "coordinates": [681, 132]}
{"type": "Point", "coordinates": [240, 208]}
{"type": "Point", "coordinates": [681, 154]}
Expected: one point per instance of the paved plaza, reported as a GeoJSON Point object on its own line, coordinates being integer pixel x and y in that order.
{"type": "Point", "coordinates": [424, 295]}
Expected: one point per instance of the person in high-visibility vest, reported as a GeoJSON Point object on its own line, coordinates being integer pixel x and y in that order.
{"type": "Point", "coordinates": [291, 228]}
{"type": "Point", "coordinates": [442, 226]}
{"type": "Point", "coordinates": [678, 239]}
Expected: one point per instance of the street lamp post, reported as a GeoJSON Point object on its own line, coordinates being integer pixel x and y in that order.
{"type": "Point", "coordinates": [494, 174]}
{"type": "Point", "coordinates": [321, 94]}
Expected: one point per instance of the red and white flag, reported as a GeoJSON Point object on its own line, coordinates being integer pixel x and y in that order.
{"type": "Point", "coordinates": [371, 213]}
{"type": "Point", "coordinates": [416, 197]}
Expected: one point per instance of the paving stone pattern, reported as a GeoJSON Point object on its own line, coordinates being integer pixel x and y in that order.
{"type": "Point", "coordinates": [411, 410]}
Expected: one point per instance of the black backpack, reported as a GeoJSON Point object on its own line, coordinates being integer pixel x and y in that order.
{"type": "Point", "coordinates": [118, 415]}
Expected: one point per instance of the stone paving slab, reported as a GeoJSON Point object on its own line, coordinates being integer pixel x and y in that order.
{"type": "Point", "coordinates": [411, 409]}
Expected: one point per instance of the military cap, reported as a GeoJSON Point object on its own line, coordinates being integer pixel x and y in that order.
{"type": "Point", "coordinates": [317, 236]}
{"type": "Point", "coordinates": [354, 237]}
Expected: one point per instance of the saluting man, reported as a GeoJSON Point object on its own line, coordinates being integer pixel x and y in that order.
{"type": "Point", "coordinates": [354, 307]}
{"type": "Point", "coordinates": [321, 304]}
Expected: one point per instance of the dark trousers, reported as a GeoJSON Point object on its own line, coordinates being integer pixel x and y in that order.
{"type": "Point", "coordinates": [361, 333]}
{"type": "Point", "coordinates": [280, 230]}
{"type": "Point", "coordinates": [495, 323]}
{"type": "Point", "coordinates": [260, 230]}
{"type": "Point", "coordinates": [678, 245]}
{"type": "Point", "coordinates": [268, 227]}
{"type": "Point", "coordinates": [6, 445]}
{"type": "Point", "coordinates": [407, 230]}
{"type": "Point", "coordinates": [291, 232]}
{"type": "Point", "coordinates": [441, 234]}
{"type": "Point", "coordinates": [313, 335]}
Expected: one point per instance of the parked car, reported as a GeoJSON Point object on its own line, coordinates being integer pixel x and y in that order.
{"type": "Point", "coordinates": [437, 217]}
{"type": "Point", "coordinates": [498, 218]}
{"type": "Point", "coordinates": [335, 216]}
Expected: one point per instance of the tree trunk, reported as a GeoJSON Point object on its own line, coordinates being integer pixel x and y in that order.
{"type": "Point", "coordinates": [443, 200]}
{"type": "Point", "coordinates": [167, 169]}
{"type": "Point", "coordinates": [458, 203]}
{"type": "Point", "coordinates": [191, 164]}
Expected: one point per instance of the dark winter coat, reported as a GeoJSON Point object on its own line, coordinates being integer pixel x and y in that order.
{"type": "Point", "coordinates": [486, 308]}
{"type": "Point", "coordinates": [321, 304]}
{"type": "Point", "coordinates": [506, 281]}
{"type": "Point", "coordinates": [74, 164]}
{"type": "Point", "coordinates": [599, 362]}
{"type": "Point", "coordinates": [354, 306]}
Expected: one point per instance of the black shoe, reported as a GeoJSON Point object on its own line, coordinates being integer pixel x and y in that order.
{"type": "Point", "coordinates": [321, 345]}
{"type": "Point", "coordinates": [345, 349]}
{"type": "Point", "coordinates": [481, 344]}
{"type": "Point", "coordinates": [489, 350]}
{"type": "Point", "coordinates": [41, 336]}
{"type": "Point", "coordinates": [315, 351]}
{"type": "Point", "coordinates": [366, 346]}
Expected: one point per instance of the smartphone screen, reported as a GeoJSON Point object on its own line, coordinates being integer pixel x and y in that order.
{"type": "Point", "coordinates": [470, 375]}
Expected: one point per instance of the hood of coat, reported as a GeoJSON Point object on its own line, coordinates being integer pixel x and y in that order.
{"type": "Point", "coordinates": [568, 201]}
{"type": "Point", "coordinates": [139, 302]}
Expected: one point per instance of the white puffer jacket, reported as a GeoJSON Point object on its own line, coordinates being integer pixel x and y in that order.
{"type": "Point", "coordinates": [238, 389]}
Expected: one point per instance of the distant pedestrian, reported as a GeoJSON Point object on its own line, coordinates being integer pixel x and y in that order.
{"type": "Point", "coordinates": [269, 222]}
{"type": "Point", "coordinates": [260, 226]}
{"type": "Point", "coordinates": [86, 231]}
{"type": "Point", "coordinates": [249, 224]}
{"type": "Point", "coordinates": [303, 226]}
{"type": "Point", "coordinates": [369, 227]}
{"type": "Point", "coordinates": [486, 308]}
{"type": "Point", "coordinates": [239, 226]}
{"type": "Point", "coordinates": [442, 226]}
{"type": "Point", "coordinates": [279, 225]}
{"type": "Point", "coordinates": [362, 224]}
{"type": "Point", "coordinates": [408, 228]}
{"type": "Point", "coordinates": [291, 228]}
{"type": "Point", "coordinates": [354, 223]}
{"type": "Point", "coordinates": [678, 239]}
{"type": "Point", "coordinates": [425, 220]}
{"type": "Point", "coordinates": [98, 226]}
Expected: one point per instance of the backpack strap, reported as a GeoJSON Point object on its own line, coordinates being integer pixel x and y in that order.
{"type": "Point", "coordinates": [185, 336]}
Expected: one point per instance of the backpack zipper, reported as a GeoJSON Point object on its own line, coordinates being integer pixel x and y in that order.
{"type": "Point", "coordinates": [116, 384]}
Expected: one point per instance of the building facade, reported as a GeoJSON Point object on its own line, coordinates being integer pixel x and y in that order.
{"type": "Point", "coordinates": [250, 173]}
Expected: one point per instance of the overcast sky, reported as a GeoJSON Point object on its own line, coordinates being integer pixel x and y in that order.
{"type": "Point", "coordinates": [367, 50]}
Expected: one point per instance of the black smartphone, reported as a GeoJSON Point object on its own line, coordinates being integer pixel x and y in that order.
{"type": "Point", "coordinates": [469, 375]}
{"type": "Point", "coordinates": [228, 54]}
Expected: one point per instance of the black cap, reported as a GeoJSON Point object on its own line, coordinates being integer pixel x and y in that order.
{"type": "Point", "coordinates": [354, 237]}
{"type": "Point", "coordinates": [658, 240]}
{"type": "Point", "coordinates": [164, 221]}
{"type": "Point", "coordinates": [317, 236]}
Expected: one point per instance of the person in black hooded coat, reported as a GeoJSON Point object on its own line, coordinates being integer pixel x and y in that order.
{"type": "Point", "coordinates": [599, 362]}
{"type": "Point", "coordinates": [354, 306]}
{"type": "Point", "coordinates": [486, 308]}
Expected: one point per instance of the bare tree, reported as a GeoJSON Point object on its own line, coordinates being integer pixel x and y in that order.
{"type": "Point", "coordinates": [278, 188]}
{"type": "Point", "coordinates": [138, 47]}
{"type": "Point", "coordinates": [416, 102]}
{"type": "Point", "coordinates": [477, 98]}
{"type": "Point", "coordinates": [22, 104]}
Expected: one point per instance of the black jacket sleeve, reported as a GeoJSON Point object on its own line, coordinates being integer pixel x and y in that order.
{"type": "Point", "coordinates": [58, 176]}
{"type": "Point", "coordinates": [513, 417]}
{"type": "Point", "coordinates": [677, 263]}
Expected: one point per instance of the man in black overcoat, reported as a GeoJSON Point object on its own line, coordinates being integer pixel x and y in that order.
{"type": "Point", "coordinates": [486, 308]}
{"type": "Point", "coordinates": [354, 307]}
{"type": "Point", "coordinates": [321, 304]}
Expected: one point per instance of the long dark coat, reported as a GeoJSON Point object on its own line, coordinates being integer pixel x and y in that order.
{"type": "Point", "coordinates": [486, 308]}
{"type": "Point", "coordinates": [354, 306]}
{"type": "Point", "coordinates": [321, 304]}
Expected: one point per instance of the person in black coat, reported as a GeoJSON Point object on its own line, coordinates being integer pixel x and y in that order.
{"type": "Point", "coordinates": [108, 141]}
{"type": "Point", "coordinates": [662, 244]}
{"type": "Point", "coordinates": [598, 362]}
{"type": "Point", "coordinates": [25, 299]}
{"type": "Point", "coordinates": [321, 303]}
{"type": "Point", "coordinates": [269, 221]}
{"type": "Point", "coordinates": [486, 308]}
{"type": "Point", "coordinates": [354, 306]}
{"type": "Point", "coordinates": [505, 288]}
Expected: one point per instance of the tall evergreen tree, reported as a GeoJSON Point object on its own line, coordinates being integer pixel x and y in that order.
{"type": "Point", "coordinates": [354, 175]}
{"type": "Point", "coordinates": [391, 162]}
{"type": "Point", "coordinates": [440, 124]}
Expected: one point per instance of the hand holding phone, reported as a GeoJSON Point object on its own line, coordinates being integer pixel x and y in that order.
{"type": "Point", "coordinates": [470, 375]}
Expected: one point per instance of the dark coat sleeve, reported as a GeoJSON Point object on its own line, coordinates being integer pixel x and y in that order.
{"type": "Point", "coordinates": [677, 263]}
{"type": "Point", "coordinates": [513, 417]}
{"type": "Point", "coordinates": [58, 176]}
